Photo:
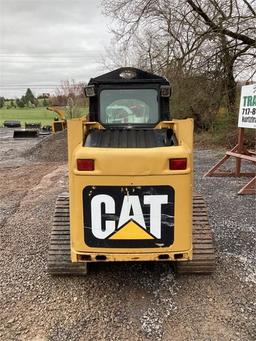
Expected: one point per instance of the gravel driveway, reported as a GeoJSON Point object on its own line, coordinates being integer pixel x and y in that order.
{"type": "Point", "coordinates": [140, 301]}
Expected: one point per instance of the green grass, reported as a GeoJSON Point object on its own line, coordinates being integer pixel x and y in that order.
{"type": "Point", "coordinates": [35, 115]}
{"type": "Point", "coordinates": [23, 115]}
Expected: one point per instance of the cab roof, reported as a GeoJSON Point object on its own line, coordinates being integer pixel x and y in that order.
{"type": "Point", "coordinates": [135, 76]}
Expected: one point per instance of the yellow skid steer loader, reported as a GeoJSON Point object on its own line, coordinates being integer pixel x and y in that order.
{"type": "Point", "coordinates": [130, 182]}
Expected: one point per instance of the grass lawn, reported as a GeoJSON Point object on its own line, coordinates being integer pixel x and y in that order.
{"type": "Point", "coordinates": [35, 115]}
{"type": "Point", "coordinates": [27, 115]}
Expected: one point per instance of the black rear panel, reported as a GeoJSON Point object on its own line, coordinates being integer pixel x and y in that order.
{"type": "Point", "coordinates": [113, 214]}
{"type": "Point", "coordinates": [130, 138]}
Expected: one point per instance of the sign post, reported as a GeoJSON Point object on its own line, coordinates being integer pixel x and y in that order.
{"type": "Point", "coordinates": [246, 119]}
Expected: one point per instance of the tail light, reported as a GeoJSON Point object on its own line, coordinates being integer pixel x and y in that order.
{"type": "Point", "coordinates": [178, 164]}
{"type": "Point", "coordinates": [85, 164]}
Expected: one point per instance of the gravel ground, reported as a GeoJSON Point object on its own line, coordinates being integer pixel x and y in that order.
{"type": "Point", "coordinates": [52, 148]}
{"type": "Point", "coordinates": [11, 150]}
{"type": "Point", "coordinates": [140, 301]}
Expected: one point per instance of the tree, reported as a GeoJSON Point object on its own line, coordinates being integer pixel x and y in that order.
{"type": "Point", "coordinates": [217, 26]}
{"type": "Point", "coordinates": [170, 35]}
{"type": "Point", "coordinates": [29, 97]}
{"type": "Point", "coordinates": [36, 103]}
{"type": "Point", "coordinates": [20, 102]}
{"type": "Point", "coordinates": [2, 100]}
{"type": "Point", "coordinates": [45, 102]}
{"type": "Point", "coordinates": [70, 91]}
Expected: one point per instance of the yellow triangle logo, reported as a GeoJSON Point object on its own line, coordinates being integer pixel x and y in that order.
{"type": "Point", "coordinates": [131, 230]}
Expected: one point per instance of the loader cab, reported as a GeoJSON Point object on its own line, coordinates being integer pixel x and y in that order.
{"type": "Point", "coordinates": [128, 98]}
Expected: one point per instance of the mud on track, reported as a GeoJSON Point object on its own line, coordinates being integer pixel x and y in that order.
{"type": "Point", "coordinates": [140, 301]}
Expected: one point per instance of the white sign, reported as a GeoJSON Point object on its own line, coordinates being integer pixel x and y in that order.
{"type": "Point", "coordinates": [247, 112]}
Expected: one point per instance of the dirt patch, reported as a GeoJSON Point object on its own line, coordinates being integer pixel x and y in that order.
{"type": "Point", "coordinates": [51, 149]}
{"type": "Point", "coordinates": [15, 182]}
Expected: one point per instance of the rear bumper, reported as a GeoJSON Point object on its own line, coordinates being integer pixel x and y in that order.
{"type": "Point", "coordinates": [130, 257]}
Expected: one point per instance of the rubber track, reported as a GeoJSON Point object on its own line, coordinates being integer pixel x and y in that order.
{"type": "Point", "coordinates": [204, 260]}
{"type": "Point", "coordinates": [59, 258]}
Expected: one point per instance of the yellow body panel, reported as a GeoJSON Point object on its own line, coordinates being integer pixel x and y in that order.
{"type": "Point", "coordinates": [132, 167]}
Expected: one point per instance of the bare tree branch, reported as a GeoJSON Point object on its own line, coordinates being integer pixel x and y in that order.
{"type": "Point", "coordinates": [217, 28]}
{"type": "Point", "coordinates": [250, 7]}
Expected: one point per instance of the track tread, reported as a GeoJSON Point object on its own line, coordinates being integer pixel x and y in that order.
{"type": "Point", "coordinates": [204, 260]}
{"type": "Point", "coordinates": [59, 257]}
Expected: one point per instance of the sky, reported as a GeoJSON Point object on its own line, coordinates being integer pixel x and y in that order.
{"type": "Point", "coordinates": [45, 42]}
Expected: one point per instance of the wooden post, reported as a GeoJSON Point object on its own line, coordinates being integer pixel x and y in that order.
{"type": "Point", "coordinates": [239, 152]}
{"type": "Point", "coordinates": [240, 149]}
{"type": "Point", "coordinates": [249, 188]}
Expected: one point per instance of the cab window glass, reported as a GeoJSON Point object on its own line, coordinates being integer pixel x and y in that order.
{"type": "Point", "coordinates": [129, 106]}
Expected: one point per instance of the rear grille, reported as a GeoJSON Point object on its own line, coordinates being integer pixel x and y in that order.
{"type": "Point", "coordinates": [130, 138]}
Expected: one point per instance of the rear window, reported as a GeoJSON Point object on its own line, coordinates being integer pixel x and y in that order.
{"type": "Point", "coordinates": [129, 106]}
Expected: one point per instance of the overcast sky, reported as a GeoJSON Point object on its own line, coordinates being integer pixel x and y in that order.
{"type": "Point", "coordinates": [45, 42]}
